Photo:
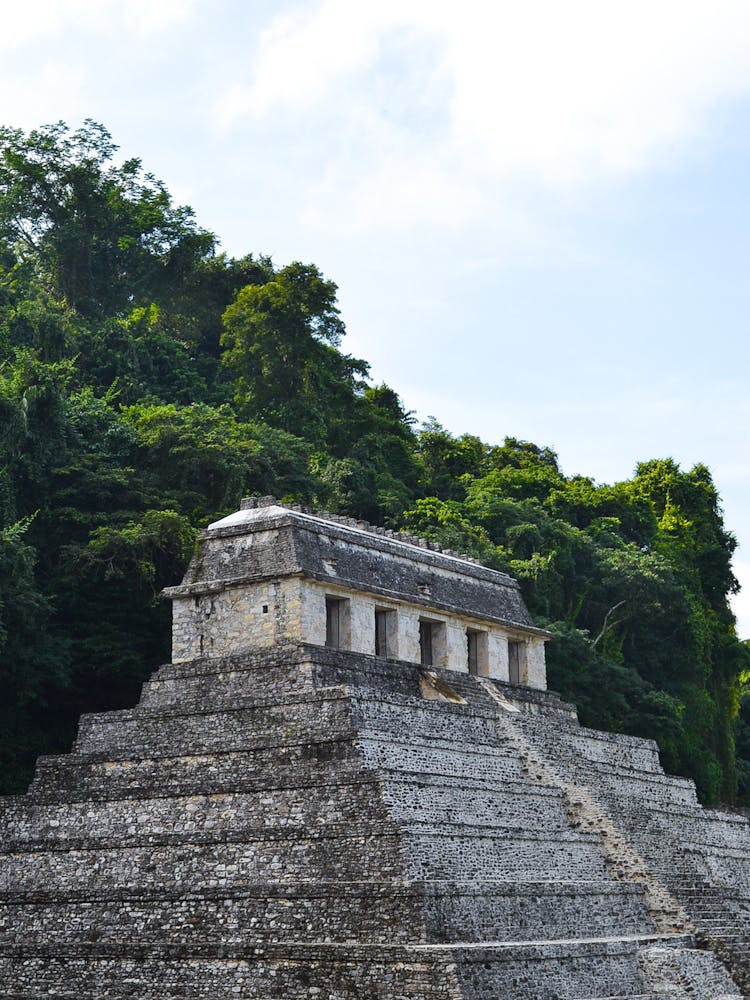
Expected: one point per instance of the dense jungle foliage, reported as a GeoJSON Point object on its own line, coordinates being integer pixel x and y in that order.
{"type": "Point", "coordinates": [148, 381]}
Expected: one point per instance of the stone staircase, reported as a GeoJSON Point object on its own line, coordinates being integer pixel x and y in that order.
{"type": "Point", "coordinates": [482, 767]}
{"type": "Point", "coordinates": [303, 823]}
{"type": "Point", "coordinates": [701, 856]}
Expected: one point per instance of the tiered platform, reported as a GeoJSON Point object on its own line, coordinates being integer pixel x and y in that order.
{"type": "Point", "coordinates": [303, 822]}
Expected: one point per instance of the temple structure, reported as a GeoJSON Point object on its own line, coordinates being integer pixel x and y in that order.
{"type": "Point", "coordinates": [270, 575]}
{"type": "Point", "coordinates": [352, 783]}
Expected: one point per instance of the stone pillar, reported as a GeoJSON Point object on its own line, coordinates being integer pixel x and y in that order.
{"type": "Point", "coordinates": [498, 655]}
{"type": "Point", "coordinates": [408, 634]}
{"type": "Point", "coordinates": [290, 609]}
{"type": "Point", "coordinates": [536, 669]}
{"type": "Point", "coordinates": [457, 656]}
{"type": "Point", "coordinates": [313, 614]}
{"type": "Point", "coordinates": [363, 624]}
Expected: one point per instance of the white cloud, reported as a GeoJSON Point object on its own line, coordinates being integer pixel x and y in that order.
{"type": "Point", "coordinates": [148, 18]}
{"type": "Point", "coordinates": [28, 103]}
{"type": "Point", "coordinates": [33, 19]}
{"type": "Point", "coordinates": [302, 58]}
{"type": "Point", "coordinates": [24, 22]}
{"type": "Point", "coordinates": [536, 93]}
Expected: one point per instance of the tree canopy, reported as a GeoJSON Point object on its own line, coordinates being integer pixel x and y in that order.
{"type": "Point", "coordinates": [101, 236]}
{"type": "Point", "coordinates": [148, 381]}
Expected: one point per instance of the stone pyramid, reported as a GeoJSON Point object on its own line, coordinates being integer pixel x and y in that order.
{"type": "Point", "coordinates": [334, 791]}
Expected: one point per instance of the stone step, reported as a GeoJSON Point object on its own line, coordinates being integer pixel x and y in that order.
{"type": "Point", "coordinates": [697, 971]}
{"type": "Point", "coordinates": [614, 758]}
{"type": "Point", "coordinates": [687, 812]}
{"type": "Point", "coordinates": [529, 971]}
{"type": "Point", "coordinates": [288, 720]}
{"type": "Point", "coordinates": [215, 816]}
{"type": "Point", "coordinates": [361, 672]}
{"type": "Point", "coordinates": [726, 866]}
{"type": "Point", "coordinates": [607, 749]}
{"type": "Point", "coordinates": [417, 797]}
{"type": "Point", "coordinates": [540, 705]}
{"type": "Point", "coordinates": [439, 912]}
{"type": "Point", "coordinates": [282, 972]}
{"type": "Point", "coordinates": [346, 760]}
{"type": "Point", "coordinates": [522, 910]}
{"type": "Point", "coordinates": [103, 777]}
{"type": "Point", "coordinates": [218, 681]}
{"type": "Point", "coordinates": [349, 850]}
{"type": "Point", "coordinates": [696, 835]}
{"type": "Point", "coordinates": [140, 732]}
{"type": "Point", "coordinates": [409, 799]}
{"type": "Point", "coordinates": [100, 777]}
{"type": "Point", "coordinates": [622, 784]}
{"type": "Point", "coordinates": [375, 913]}
{"type": "Point", "coordinates": [356, 851]}
{"type": "Point", "coordinates": [464, 852]}
{"type": "Point", "coordinates": [413, 754]}
{"type": "Point", "coordinates": [565, 968]}
{"type": "Point", "coordinates": [368, 675]}
{"type": "Point", "coordinates": [433, 720]}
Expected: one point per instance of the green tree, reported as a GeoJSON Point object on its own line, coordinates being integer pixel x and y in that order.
{"type": "Point", "coordinates": [101, 236]}
{"type": "Point", "coordinates": [34, 664]}
{"type": "Point", "coordinates": [106, 584]}
{"type": "Point", "coordinates": [633, 579]}
{"type": "Point", "coordinates": [281, 341]}
{"type": "Point", "coordinates": [373, 472]}
{"type": "Point", "coordinates": [202, 459]}
{"type": "Point", "coordinates": [33, 430]}
{"type": "Point", "coordinates": [445, 460]}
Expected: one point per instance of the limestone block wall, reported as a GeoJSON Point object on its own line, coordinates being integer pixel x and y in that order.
{"type": "Point", "coordinates": [293, 609]}
{"type": "Point", "coordinates": [302, 822]}
{"type": "Point", "coordinates": [227, 620]}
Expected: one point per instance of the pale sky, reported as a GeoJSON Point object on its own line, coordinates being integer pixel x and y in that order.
{"type": "Point", "coordinates": [536, 213]}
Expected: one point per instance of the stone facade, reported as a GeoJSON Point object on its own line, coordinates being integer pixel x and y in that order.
{"type": "Point", "coordinates": [266, 575]}
{"type": "Point", "coordinates": [286, 819]}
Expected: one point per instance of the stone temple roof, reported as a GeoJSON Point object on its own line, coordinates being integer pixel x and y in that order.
{"type": "Point", "coordinates": [266, 539]}
{"type": "Point", "coordinates": [255, 509]}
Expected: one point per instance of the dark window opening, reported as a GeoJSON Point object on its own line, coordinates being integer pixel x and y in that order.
{"type": "Point", "coordinates": [514, 662]}
{"type": "Point", "coordinates": [265, 609]}
{"type": "Point", "coordinates": [334, 622]}
{"type": "Point", "coordinates": [472, 641]}
{"type": "Point", "coordinates": [425, 644]}
{"type": "Point", "coordinates": [381, 634]}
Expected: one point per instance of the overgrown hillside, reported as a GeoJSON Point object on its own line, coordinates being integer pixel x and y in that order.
{"type": "Point", "coordinates": [148, 381]}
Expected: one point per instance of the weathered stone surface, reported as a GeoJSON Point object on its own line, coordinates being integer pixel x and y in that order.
{"type": "Point", "coordinates": [296, 821]}
{"type": "Point", "coordinates": [264, 576]}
